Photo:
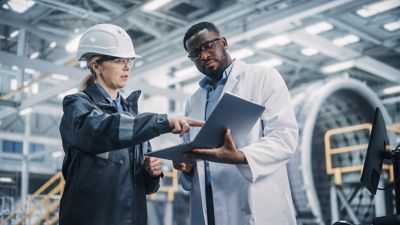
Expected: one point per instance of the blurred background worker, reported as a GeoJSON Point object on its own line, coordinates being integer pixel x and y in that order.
{"type": "Point", "coordinates": [104, 137]}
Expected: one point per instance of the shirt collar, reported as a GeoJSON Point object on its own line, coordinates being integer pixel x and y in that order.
{"type": "Point", "coordinates": [107, 96]}
{"type": "Point", "coordinates": [205, 83]}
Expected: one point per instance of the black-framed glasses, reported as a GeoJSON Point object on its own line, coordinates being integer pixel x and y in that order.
{"type": "Point", "coordinates": [116, 60]}
{"type": "Point", "coordinates": [205, 47]}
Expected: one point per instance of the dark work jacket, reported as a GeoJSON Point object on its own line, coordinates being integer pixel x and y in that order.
{"type": "Point", "coordinates": [105, 180]}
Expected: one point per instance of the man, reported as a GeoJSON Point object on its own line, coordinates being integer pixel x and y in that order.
{"type": "Point", "coordinates": [244, 181]}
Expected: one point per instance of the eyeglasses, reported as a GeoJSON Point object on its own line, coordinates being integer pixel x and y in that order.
{"type": "Point", "coordinates": [116, 60]}
{"type": "Point", "coordinates": [205, 47]}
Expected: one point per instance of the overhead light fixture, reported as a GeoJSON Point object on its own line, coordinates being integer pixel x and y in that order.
{"type": "Point", "coordinates": [319, 28]}
{"type": "Point", "coordinates": [53, 44]}
{"type": "Point", "coordinates": [277, 40]}
{"type": "Point", "coordinates": [14, 33]}
{"type": "Point", "coordinates": [392, 26]}
{"type": "Point", "coordinates": [346, 40]}
{"type": "Point", "coordinates": [379, 7]}
{"type": "Point", "coordinates": [15, 68]}
{"type": "Point", "coordinates": [25, 111]}
{"type": "Point", "coordinates": [69, 92]}
{"type": "Point", "coordinates": [309, 51]}
{"type": "Point", "coordinates": [34, 55]}
{"type": "Point", "coordinates": [242, 53]}
{"type": "Point", "coordinates": [153, 5]}
{"type": "Point", "coordinates": [271, 62]}
{"type": "Point", "coordinates": [391, 90]}
{"type": "Point", "coordinates": [333, 68]}
{"type": "Point", "coordinates": [6, 180]}
{"type": "Point", "coordinates": [29, 71]}
{"type": "Point", "coordinates": [187, 72]}
{"type": "Point", "coordinates": [72, 46]}
{"type": "Point", "coordinates": [35, 88]}
{"type": "Point", "coordinates": [59, 77]}
{"type": "Point", "coordinates": [57, 154]}
{"type": "Point", "coordinates": [19, 6]}
{"type": "Point", "coordinates": [13, 84]}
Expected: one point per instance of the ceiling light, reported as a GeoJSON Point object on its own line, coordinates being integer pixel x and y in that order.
{"type": "Point", "coordinates": [346, 40]}
{"type": "Point", "coordinates": [15, 68]}
{"type": "Point", "coordinates": [14, 33]}
{"type": "Point", "coordinates": [34, 55]}
{"type": "Point", "coordinates": [13, 84]}
{"type": "Point", "coordinates": [155, 4]}
{"type": "Point", "coordinates": [72, 46]}
{"type": "Point", "coordinates": [6, 180]}
{"type": "Point", "coordinates": [379, 7]}
{"type": "Point", "coordinates": [309, 51]}
{"type": "Point", "coordinates": [35, 88]}
{"type": "Point", "coordinates": [20, 6]}
{"type": "Point", "coordinates": [271, 62]}
{"type": "Point", "coordinates": [57, 154]}
{"type": "Point", "coordinates": [242, 53]}
{"type": "Point", "coordinates": [69, 92]}
{"type": "Point", "coordinates": [333, 68]}
{"type": "Point", "coordinates": [29, 71]}
{"type": "Point", "coordinates": [392, 26]}
{"type": "Point", "coordinates": [278, 40]}
{"type": "Point", "coordinates": [391, 90]}
{"type": "Point", "coordinates": [187, 72]}
{"type": "Point", "coordinates": [53, 44]}
{"type": "Point", "coordinates": [25, 111]}
{"type": "Point", "coordinates": [59, 77]}
{"type": "Point", "coordinates": [319, 28]}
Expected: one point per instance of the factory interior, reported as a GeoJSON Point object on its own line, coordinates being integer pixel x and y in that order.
{"type": "Point", "coordinates": [340, 60]}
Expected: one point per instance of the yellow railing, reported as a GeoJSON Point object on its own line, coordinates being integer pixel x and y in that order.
{"type": "Point", "coordinates": [169, 190]}
{"type": "Point", "coordinates": [57, 190]}
{"type": "Point", "coordinates": [329, 151]}
{"type": "Point", "coordinates": [48, 219]}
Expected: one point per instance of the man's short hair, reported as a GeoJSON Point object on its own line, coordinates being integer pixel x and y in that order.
{"type": "Point", "coordinates": [197, 28]}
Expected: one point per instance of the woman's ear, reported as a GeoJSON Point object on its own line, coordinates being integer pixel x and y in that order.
{"type": "Point", "coordinates": [94, 66]}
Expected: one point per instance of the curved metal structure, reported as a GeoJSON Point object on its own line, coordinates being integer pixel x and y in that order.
{"type": "Point", "coordinates": [321, 106]}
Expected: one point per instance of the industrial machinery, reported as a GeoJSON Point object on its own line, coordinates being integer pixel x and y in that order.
{"type": "Point", "coordinates": [320, 193]}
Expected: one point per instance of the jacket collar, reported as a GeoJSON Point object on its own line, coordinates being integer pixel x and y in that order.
{"type": "Point", "coordinates": [129, 104]}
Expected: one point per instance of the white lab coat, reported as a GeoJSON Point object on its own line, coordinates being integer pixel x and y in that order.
{"type": "Point", "coordinates": [256, 193]}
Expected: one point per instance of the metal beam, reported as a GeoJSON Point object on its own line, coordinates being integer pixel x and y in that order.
{"type": "Point", "coordinates": [11, 20]}
{"type": "Point", "coordinates": [74, 10]}
{"type": "Point", "coordinates": [30, 138]}
{"type": "Point", "coordinates": [365, 63]}
{"type": "Point", "coordinates": [323, 45]}
{"type": "Point", "coordinates": [77, 75]}
{"type": "Point", "coordinates": [137, 21]}
{"type": "Point", "coordinates": [230, 15]}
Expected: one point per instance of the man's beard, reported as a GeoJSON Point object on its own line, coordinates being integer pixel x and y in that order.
{"type": "Point", "coordinates": [217, 74]}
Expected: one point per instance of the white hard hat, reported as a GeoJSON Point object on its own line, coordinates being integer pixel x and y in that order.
{"type": "Point", "coordinates": [105, 39]}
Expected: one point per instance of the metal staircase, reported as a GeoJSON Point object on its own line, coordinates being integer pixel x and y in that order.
{"type": "Point", "coordinates": [41, 207]}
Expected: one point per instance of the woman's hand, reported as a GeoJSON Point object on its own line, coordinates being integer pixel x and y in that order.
{"type": "Point", "coordinates": [181, 125]}
{"type": "Point", "coordinates": [153, 166]}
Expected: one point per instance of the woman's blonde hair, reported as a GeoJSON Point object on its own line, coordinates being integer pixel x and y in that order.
{"type": "Point", "coordinates": [90, 78]}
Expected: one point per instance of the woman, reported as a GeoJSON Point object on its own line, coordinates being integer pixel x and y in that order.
{"type": "Point", "coordinates": [104, 138]}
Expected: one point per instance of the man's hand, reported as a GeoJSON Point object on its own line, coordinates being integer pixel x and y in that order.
{"type": "Point", "coordinates": [227, 153]}
{"type": "Point", "coordinates": [153, 166]}
{"type": "Point", "coordinates": [181, 125]}
{"type": "Point", "coordinates": [184, 167]}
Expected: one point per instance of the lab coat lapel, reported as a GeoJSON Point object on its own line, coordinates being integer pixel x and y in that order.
{"type": "Point", "coordinates": [234, 78]}
{"type": "Point", "coordinates": [199, 106]}
{"type": "Point", "coordinates": [198, 111]}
